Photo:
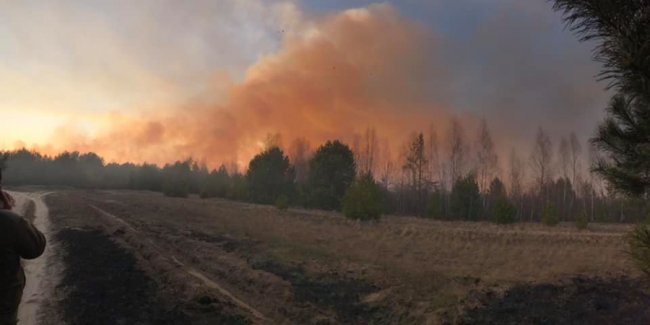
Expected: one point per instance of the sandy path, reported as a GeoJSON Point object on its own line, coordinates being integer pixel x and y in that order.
{"type": "Point", "coordinates": [37, 288]}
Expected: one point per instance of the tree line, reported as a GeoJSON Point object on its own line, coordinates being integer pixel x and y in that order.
{"type": "Point", "coordinates": [462, 179]}
{"type": "Point", "coordinates": [466, 179]}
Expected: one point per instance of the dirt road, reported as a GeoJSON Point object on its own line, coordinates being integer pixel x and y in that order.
{"type": "Point", "coordinates": [40, 279]}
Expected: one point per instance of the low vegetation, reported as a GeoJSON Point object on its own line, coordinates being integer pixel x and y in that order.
{"type": "Point", "coordinates": [503, 211]}
{"type": "Point", "coordinates": [282, 202]}
{"type": "Point", "coordinates": [639, 247]}
{"type": "Point", "coordinates": [549, 216]}
{"type": "Point", "coordinates": [582, 222]}
{"type": "Point", "coordinates": [363, 200]}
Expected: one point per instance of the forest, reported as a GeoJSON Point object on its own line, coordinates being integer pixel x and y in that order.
{"type": "Point", "coordinates": [462, 179]}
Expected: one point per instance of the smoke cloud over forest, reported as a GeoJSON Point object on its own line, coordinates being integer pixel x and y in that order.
{"type": "Point", "coordinates": [333, 75]}
{"type": "Point", "coordinates": [346, 72]}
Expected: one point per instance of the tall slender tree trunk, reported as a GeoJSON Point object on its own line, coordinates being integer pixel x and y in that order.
{"type": "Point", "coordinates": [564, 212]}
{"type": "Point", "coordinates": [592, 206]}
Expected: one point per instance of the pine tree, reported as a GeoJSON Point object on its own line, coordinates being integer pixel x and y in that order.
{"type": "Point", "coordinates": [269, 176]}
{"type": "Point", "coordinates": [621, 29]}
{"type": "Point", "coordinates": [331, 172]}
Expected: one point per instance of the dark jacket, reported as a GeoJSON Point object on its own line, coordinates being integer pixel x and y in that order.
{"type": "Point", "coordinates": [18, 239]}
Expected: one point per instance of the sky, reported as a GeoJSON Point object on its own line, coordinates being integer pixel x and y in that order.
{"type": "Point", "coordinates": [163, 80]}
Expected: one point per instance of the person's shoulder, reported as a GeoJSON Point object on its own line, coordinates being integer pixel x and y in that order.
{"type": "Point", "coordinates": [9, 216]}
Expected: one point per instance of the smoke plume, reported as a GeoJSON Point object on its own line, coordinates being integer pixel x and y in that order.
{"type": "Point", "coordinates": [332, 79]}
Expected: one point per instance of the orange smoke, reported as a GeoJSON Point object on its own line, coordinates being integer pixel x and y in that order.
{"type": "Point", "coordinates": [344, 73]}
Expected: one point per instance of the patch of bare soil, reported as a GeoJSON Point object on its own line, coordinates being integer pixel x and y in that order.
{"type": "Point", "coordinates": [332, 292]}
{"type": "Point", "coordinates": [104, 285]}
{"type": "Point", "coordinates": [581, 300]}
{"type": "Point", "coordinates": [107, 280]}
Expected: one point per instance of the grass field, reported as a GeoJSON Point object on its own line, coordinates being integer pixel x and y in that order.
{"type": "Point", "coordinates": [300, 266]}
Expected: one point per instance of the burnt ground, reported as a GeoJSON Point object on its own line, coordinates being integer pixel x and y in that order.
{"type": "Point", "coordinates": [334, 292]}
{"type": "Point", "coordinates": [581, 300]}
{"type": "Point", "coordinates": [104, 284]}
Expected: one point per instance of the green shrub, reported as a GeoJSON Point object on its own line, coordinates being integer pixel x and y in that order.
{"type": "Point", "coordinates": [465, 199]}
{"type": "Point", "coordinates": [282, 202]}
{"type": "Point", "coordinates": [549, 216]}
{"type": "Point", "coordinates": [581, 221]}
{"type": "Point", "coordinates": [435, 205]}
{"type": "Point", "coordinates": [504, 211]}
{"type": "Point", "coordinates": [639, 247]}
{"type": "Point", "coordinates": [363, 200]}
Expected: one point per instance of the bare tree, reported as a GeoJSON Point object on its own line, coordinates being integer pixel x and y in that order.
{"type": "Point", "coordinates": [356, 149]}
{"type": "Point", "coordinates": [386, 164]}
{"type": "Point", "coordinates": [273, 140]}
{"type": "Point", "coordinates": [233, 167]}
{"type": "Point", "coordinates": [436, 172]}
{"type": "Point", "coordinates": [564, 156]}
{"type": "Point", "coordinates": [457, 151]}
{"type": "Point", "coordinates": [541, 159]}
{"type": "Point", "coordinates": [367, 152]}
{"type": "Point", "coordinates": [416, 164]}
{"type": "Point", "coordinates": [595, 182]}
{"type": "Point", "coordinates": [575, 152]}
{"type": "Point", "coordinates": [516, 175]}
{"type": "Point", "coordinates": [564, 160]}
{"type": "Point", "coordinates": [486, 157]}
{"type": "Point", "coordinates": [299, 155]}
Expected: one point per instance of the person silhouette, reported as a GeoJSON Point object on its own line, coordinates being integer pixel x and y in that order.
{"type": "Point", "coordinates": [18, 239]}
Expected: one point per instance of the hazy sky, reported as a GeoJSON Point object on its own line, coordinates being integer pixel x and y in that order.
{"type": "Point", "coordinates": [163, 79]}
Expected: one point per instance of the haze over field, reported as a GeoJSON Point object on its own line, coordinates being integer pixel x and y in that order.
{"type": "Point", "coordinates": [159, 81]}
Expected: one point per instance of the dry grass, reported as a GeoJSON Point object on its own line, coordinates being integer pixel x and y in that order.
{"type": "Point", "coordinates": [404, 245]}
{"type": "Point", "coordinates": [409, 256]}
